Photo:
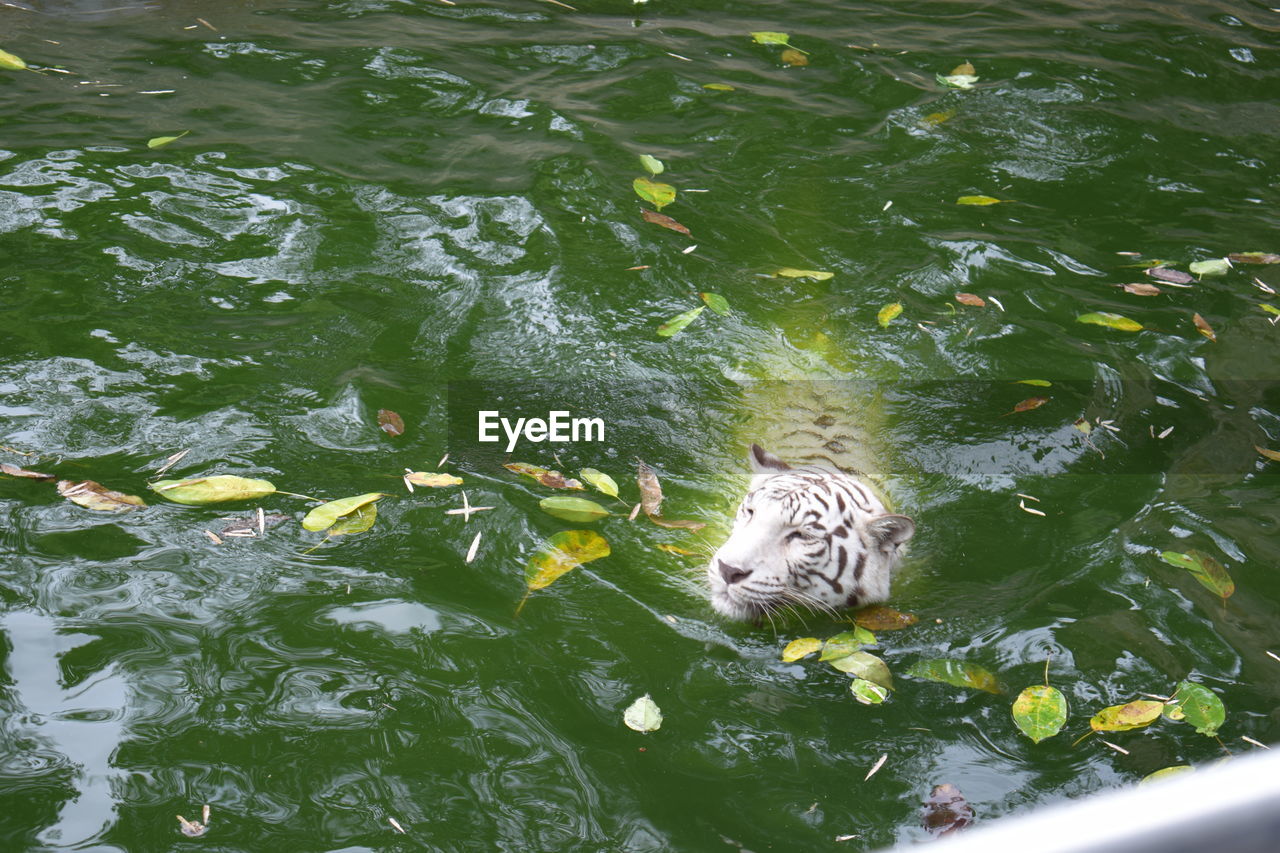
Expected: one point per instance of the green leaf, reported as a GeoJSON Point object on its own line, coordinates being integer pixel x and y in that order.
{"type": "Point", "coordinates": [866, 665]}
{"type": "Point", "coordinates": [766, 37]}
{"type": "Point", "coordinates": [658, 194]}
{"type": "Point", "coordinates": [1215, 266]}
{"type": "Point", "coordinates": [677, 323]}
{"type": "Point", "coordinates": [1123, 718]}
{"type": "Point", "coordinates": [601, 481]}
{"type": "Point", "coordinates": [156, 142]}
{"type": "Point", "coordinates": [978, 200]}
{"type": "Point", "coordinates": [716, 303]}
{"type": "Point", "coordinates": [10, 62]}
{"type": "Point", "coordinates": [868, 692]}
{"type": "Point", "coordinates": [888, 313]}
{"type": "Point", "coordinates": [1200, 707]}
{"type": "Point", "coordinates": [1270, 309]}
{"type": "Point", "coordinates": [718, 87]}
{"type": "Point", "coordinates": [643, 715]}
{"type": "Point", "coordinates": [572, 509]}
{"type": "Point", "coordinates": [209, 490]}
{"type": "Point", "coordinates": [1112, 321]}
{"type": "Point", "coordinates": [956, 673]}
{"type": "Point", "coordinates": [791, 272]}
{"type": "Point", "coordinates": [844, 643]}
{"type": "Point", "coordinates": [563, 552]}
{"type": "Point", "coordinates": [357, 522]}
{"type": "Point", "coordinates": [324, 516]}
{"type": "Point", "coordinates": [1166, 772]}
{"type": "Point", "coordinates": [652, 164]}
{"type": "Point", "coordinates": [800, 648]}
{"type": "Point", "coordinates": [1208, 571]}
{"type": "Point", "coordinates": [1040, 712]}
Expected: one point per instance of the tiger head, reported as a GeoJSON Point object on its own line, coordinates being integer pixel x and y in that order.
{"type": "Point", "coordinates": [807, 537]}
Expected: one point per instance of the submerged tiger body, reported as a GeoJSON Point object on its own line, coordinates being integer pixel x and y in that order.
{"type": "Point", "coordinates": [814, 536]}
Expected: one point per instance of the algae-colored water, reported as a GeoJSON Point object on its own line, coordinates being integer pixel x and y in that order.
{"type": "Point", "coordinates": [427, 207]}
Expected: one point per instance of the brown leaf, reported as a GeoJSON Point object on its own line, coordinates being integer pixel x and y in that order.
{"type": "Point", "coordinates": [1202, 325]}
{"type": "Point", "coordinates": [96, 496]}
{"type": "Point", "coordinates": [663, 220]}
{"type": "Point", "coordinates": [971, 299]}
{"type": "Point", "coordinates": [677, 523]}
{"type": "Point", "coordinates": [1140, 288]}
{"type": "Point", "coordinates": [1027, 405]}
{"type": "Point", "coordinates": [1170, 275]}
{"type": "Point", "coordinates": [877, 617]}
{"type": "Point", "coordinates": [249, 524]}
{"type": "Point", "coordinates": [1273, 455]}
{"type": "Point", "coordinates": [946, 811]}
{"type": "Point", "coordinates": [1253, 258]}
{"type": "Point", "coordinates": [791, 56]}
{"type": "Point", "coordinates": [650, 489]}
{"type": "Point", "coordinates": [554, 479]}
{"type": "Point", "coordinates": [965, 67]}
{"type": "Point", "coordinates": [391, 423]}
{"type": "Point", "coordinates": [15, 471]}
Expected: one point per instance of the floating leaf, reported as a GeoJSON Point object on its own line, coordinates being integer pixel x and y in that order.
{"type": "Point", "coordinates": [956, 673]}
{"type": "Point", "coordinates": [254, 525]}
{"type": "Point", "coordinates": [1216, 266]}
{"type": "Point", "coordinates": [677, 323]}
{"type": "Point", "coordinates": [1123, 718]}
{"type": "Point", "coordinates": [190, 828]}
{"type": "Point", "coordinates": [946, 811]}
{"type": "Point", "coordinates": [935, 119]}
{"type": "Point", "coordinates": [716, 303]}
{"type": "Point", "coordinates": [158, 141]}
{"type": "Point", "coordinates": [794, 57]}
{"type": "Point", "coordinates": [650, 489]}
{"type": "Point", "coordinates": [1112, 321]}
{"type": "Point", "coordinates": [1040, 712]}
{"type": "Point", "coordinates": [718, 87]}
{"type": "Point", "coordinates": [434, 481]}
{"type": "Point", "coordinates": [979, 200]}
{"type": "Point", "coordinates": [10, 62]}
{"type": "Point", "coordinates": [15, 471]}
{"type": "Point", "coordinates": [95, 496]}
{"type": "Point", "coordinates": [888, 313]}
{"type": "Point", "coordinates": [1166, 772]}
{"type": "Point", "coordinates": [643, 715]}
{"type": "Point", "coordinates": [658, 194]}
{"type": "Point", "coordinates": [601, 481]}
{"type": "Point", "coordinates": [572, 509]}
{"type": "Point", "coordinates": [551, 479]}
{"type": "Point", "coordinates": [1140, 288]}
{"type": "Point", "coordinates": [877, 617]}
{"type": "Point", "coordinates": [1270, 309]}
{"type": "Point", "coordinates": [766, 37]}
{"type": "Point", "coordinates": [1203, 327]}
{"type": "Point", "coordinates": [1039, 383]}
{"type": "Point", "coordinates": [652, 164]}
{"type": "Point", "coordinates": [208, 490]}
{"type": "Point", "coordinates": [324, 516]}
{"type": "Point", "coordinates": [971, 299]}
{"type": "Point", "coordinates": [1170, 275]}
{"type": "Point", "coordinates": [677, 523]}
{"type": "Point", "coordinates": [1201, 707]}
{"type": "Point", "coordinates": [961, 77]}
{"type": "Point", "coordinates": [868, 692]}
{"type": "Point", "coordinates": [1027, 405]}
{"type": "Point", "coordinates": [676, 549]}
{"type": "Point", "coordinates": [1204, 568]}
{"type": "Point", "coordinates": [846, 643]}
{"type": "Point", "coordinates": [1273, 455]}
{"type": "Point", "coordinates": [357, 522]}
{"type": "Point", "coordinates": [391, 423]}
{"type": "Point", "coordinates": [801, 648]}
{"type": "Point", "coordinates": [791, 272]}
{"type": "Point", "coordinates": [1253, 258]}
{"type": "Point", "coordinates": [965, 68]}
{"type": "Point", "coordinates": [563, 552]}
{"type": "Point", "coordinates": [663, 220]}
{"type": "Point", "coordinates": [865, 665]}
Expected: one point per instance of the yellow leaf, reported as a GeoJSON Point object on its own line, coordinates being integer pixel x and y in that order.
{"type": "Point", "coordinates": [889, 312]}
{"type": "Point", "coordinates": [564, 552]}
{"type": "Point", "coordinates": [978, 199]}
{"type": "Point", "coordinates": [421, 478]}
{"type": "Point", "coordinates": [801, 648]}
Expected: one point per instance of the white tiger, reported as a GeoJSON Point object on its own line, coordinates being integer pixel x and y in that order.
{"type": "Point", "coordinates": [810, 536]}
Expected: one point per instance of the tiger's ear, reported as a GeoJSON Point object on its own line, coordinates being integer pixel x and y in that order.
{"type": "Point", "coordinates": [892, 529]}
{"type": "Point", "coordinates": [764, 462]}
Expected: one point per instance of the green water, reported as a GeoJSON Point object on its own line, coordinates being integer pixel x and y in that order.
{"type": "Point", "coordinates": [379, 198]}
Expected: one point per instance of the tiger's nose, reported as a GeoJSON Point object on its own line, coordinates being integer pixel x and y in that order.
{"type": "Point", "coordinates": [733, 574]}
